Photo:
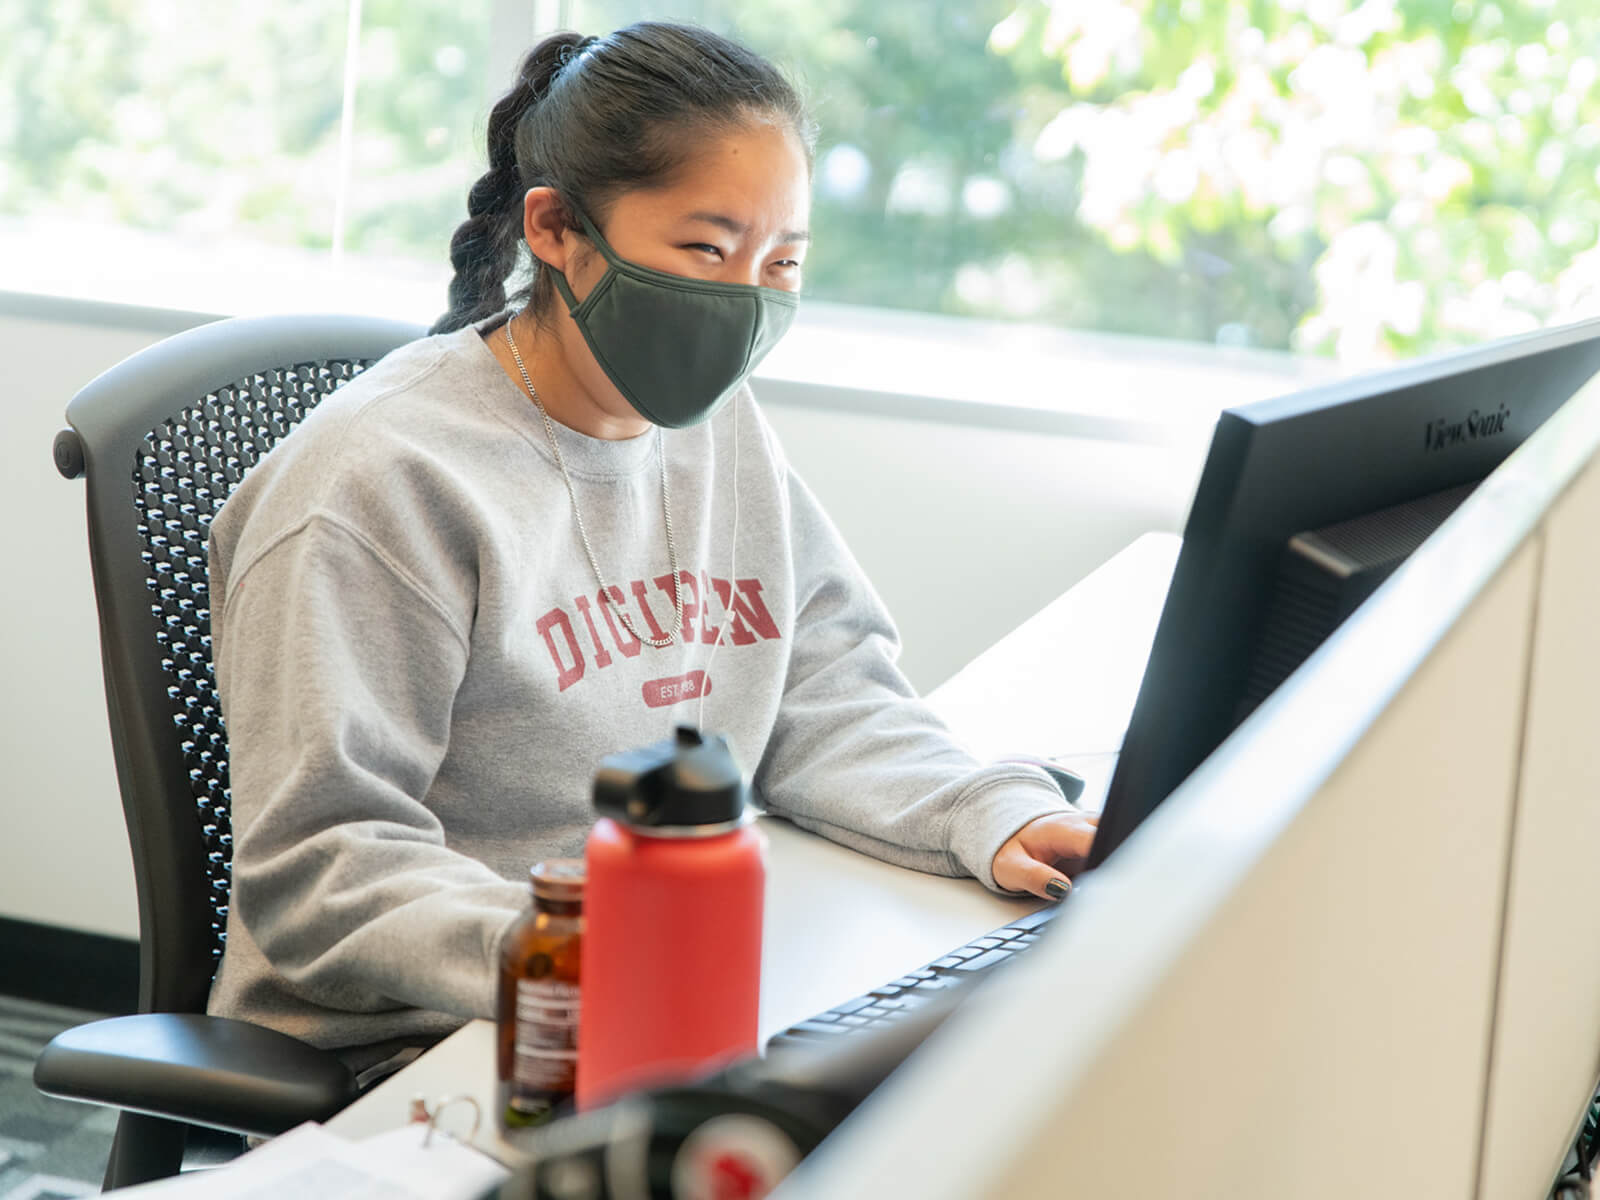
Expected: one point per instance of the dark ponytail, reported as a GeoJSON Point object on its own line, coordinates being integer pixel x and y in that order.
{"type": "Point", "coordinates": [484, 247]}
{"type": "Point", "coordinates": [592, 118]}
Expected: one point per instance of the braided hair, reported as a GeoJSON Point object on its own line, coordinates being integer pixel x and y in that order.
{"type": "Point", "coordinates": [592, 118]}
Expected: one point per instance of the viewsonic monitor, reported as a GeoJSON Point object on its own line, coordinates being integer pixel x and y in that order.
{"type": "Point", "coordinates": [1304, 505]}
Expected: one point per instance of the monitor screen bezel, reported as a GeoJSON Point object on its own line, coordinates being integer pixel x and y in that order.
{"type": "Point", "coordinates": [1281, 466]}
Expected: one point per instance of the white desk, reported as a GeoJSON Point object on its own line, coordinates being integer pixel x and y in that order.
{"type": "Point", "coordinates": [839, 923]}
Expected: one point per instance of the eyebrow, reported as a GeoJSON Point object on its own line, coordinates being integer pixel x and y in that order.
{"type": "Point", "coordinates": [740, 229]}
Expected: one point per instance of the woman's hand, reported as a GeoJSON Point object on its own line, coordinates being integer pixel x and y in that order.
{"type": "Point", "coordinates": [1027, 863]}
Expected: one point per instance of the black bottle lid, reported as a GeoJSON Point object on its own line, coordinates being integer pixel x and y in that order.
{"type": "Point", "coordinates": [687, 781]}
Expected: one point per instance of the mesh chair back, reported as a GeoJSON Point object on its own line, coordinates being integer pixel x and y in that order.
{"type": "Point", "coordinates": [163, 440]}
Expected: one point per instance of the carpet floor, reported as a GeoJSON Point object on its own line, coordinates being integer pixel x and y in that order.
{"type": "Point", "coordinates": [49, 1149]}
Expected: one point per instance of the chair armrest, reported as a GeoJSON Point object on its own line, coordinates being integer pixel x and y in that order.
{"type": "Point", "coordinates": [209, 1071]}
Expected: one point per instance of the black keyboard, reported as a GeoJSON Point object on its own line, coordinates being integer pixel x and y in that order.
{"type": "Point", "coordinates": [915, 988]}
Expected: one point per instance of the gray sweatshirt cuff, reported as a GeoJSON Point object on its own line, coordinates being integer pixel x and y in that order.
{"type": "Point", "coordinates": [497, 940]}
{"type": "Point", "coordinates": [992, 812]}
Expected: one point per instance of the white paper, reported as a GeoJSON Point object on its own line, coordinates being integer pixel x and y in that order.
{"type": "Point", "coordinates": [310, 1163]}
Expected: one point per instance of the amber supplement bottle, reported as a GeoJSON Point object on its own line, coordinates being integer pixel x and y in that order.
{"type": "Point", "coordinates": [538, 1002]}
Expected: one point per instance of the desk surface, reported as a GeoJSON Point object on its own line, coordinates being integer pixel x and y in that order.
{"type": "Point", "coordinates": [1062, 684]}
{"type": "Point", "coordinates": [839, 923]}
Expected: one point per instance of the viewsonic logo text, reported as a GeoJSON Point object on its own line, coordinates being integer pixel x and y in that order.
{"type": "Point", "coordinates": [1442, 434]}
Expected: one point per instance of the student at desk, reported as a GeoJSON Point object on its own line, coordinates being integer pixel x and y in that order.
{"type": "Point", "coordinates": [552, 530]}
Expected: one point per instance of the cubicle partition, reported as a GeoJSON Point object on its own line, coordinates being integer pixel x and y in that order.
{"type": "Point", "coordinates": [1355, 953]}
{"type": "Point", "coordinates": [1546, 1050]}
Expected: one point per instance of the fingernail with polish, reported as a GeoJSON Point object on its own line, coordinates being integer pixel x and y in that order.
{"type": "Point", "coordinates": [1057, 888]}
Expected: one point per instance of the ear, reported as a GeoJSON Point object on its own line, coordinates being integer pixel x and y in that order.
{"type": "Point", "coordinates": [545, 226]}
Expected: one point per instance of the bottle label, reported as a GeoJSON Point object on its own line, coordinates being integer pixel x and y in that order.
{"type": "Point", "coordinates": [545, 1057]}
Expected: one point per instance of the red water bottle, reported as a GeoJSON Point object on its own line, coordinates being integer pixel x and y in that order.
{"type": "Point", "coordinates": [672, 911]}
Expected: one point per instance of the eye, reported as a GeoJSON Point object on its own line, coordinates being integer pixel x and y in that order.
{"type": "Point", "coordinates": [704, 248]}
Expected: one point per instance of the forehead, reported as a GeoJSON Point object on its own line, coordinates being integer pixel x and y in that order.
{"type": "Point", "coordinates": [756, 174]}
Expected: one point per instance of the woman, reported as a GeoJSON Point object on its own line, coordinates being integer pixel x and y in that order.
{"type": "Point", "coordinates": [521, 544]}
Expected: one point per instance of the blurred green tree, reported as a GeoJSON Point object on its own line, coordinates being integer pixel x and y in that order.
{"type": "Point", "coordinates": [1369, 179]}
{"type": "Point", "coordinates": [1373, 179]}
{"type": "Point", "coordinates": [224, 120]}
{"type": "Point", "coordinates": [1364, 178]}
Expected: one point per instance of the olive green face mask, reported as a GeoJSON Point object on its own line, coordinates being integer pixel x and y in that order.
{"type": "Point", "coordinates": [675, 347]}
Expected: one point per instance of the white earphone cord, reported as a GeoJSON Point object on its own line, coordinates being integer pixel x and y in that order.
{"type": "Point", "coordinates": [733, 551]}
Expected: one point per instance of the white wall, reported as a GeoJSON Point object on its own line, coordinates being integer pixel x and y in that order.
{"type": "Point", "coordinates": [63, 852]}
{"type": "Point", "coordinates": [967, 531]}
{"type": "Point", "coordinates": [965, 527]}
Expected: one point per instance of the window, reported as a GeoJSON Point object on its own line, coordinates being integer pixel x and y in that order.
{"type": "Point", "coordinates": [1366, 180]}
{"type": "Point", "coordinates": [230, 157]}
{"type": "Point", "coordinates": [1361, 181]}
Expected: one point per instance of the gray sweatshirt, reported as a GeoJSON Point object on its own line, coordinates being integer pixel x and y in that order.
{"type": "Point", "coordinates": [419, 680]}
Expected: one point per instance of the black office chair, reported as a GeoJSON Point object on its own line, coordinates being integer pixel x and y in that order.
{"type": "Point", "coordinates": [162, 439]}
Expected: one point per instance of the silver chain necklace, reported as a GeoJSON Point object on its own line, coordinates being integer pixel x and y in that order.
{"type": "Point", "coordinates": [666, 512]}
